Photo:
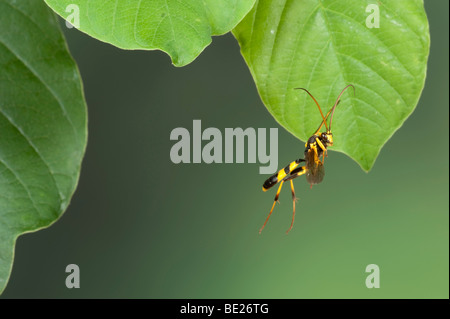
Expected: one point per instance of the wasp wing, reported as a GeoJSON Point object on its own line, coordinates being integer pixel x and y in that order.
{"type": "Point", "coordinates": [315, 169]}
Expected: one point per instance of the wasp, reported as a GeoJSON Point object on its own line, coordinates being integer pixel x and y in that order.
{"type": "Point", "coordinates": [315, 147]}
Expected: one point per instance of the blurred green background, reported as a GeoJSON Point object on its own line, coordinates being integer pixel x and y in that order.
{"type": "Point", "coordinates": [140, 226]}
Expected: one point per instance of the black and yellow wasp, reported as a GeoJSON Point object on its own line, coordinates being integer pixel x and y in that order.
{"type": "Point", "coordinates": [313, 168]}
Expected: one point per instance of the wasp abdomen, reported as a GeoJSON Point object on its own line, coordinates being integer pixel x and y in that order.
{"type": "Point", "coordinates": [281, 174]}
{"type": "Point", "coordinates": [270, 182]}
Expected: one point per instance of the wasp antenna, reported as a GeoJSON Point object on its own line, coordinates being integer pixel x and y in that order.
{"type": "Point", "coordinates": [337, 102]}
{"type": "Point", "coordinates": [323, 117]}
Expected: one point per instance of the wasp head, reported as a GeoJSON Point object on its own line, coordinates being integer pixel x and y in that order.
{"type": "Point", "coordinates": [327, 138]}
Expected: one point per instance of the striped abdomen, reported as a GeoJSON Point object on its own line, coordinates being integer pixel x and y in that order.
{"type": "Point", "coordinates": [282, 173]}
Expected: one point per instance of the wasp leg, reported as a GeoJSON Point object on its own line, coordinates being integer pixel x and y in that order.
{"type": "Point", "coordinates": [293, 206]}
{"type": "Point", "coordinates": [295, 173]}
{"type": "Point", "coordinates": [299, 171]}
{"type": "Point", "coordinates": [274, 202]}
{"type": "Point", "coordinates": [324, 149]}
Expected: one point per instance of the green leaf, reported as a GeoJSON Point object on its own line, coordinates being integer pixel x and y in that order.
{"type": "Point", "coordinates": [182, 29]}
{"type": "Point", "coordinates": [42, 123]}
{"type": "Point", "coordinates": [325, 45]}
